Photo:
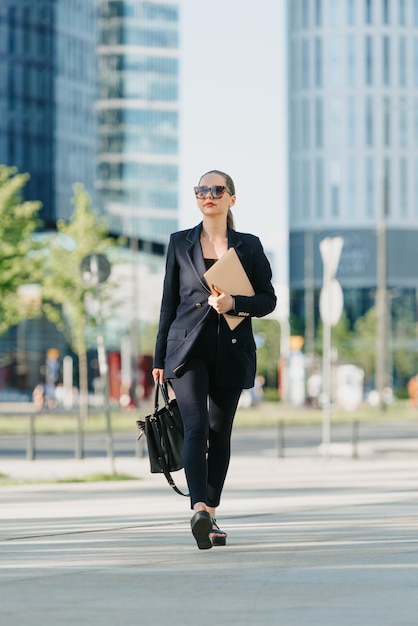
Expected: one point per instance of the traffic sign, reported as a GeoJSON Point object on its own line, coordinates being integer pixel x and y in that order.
{"type": "Point", "coordinates": [95, 268]}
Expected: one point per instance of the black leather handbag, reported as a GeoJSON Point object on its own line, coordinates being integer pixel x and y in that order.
{"type": "Point", "coordinates": [163, 430]}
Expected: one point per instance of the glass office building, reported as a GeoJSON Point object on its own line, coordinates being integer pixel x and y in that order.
{"type": "Point", "coordinates": [138, 118]}
{"type": "Point", "coordinates": [353, 146]}
{"type": "Point", "coordinates": [48, 129]}
{"type": "Point", "coordinates": [47, 91]}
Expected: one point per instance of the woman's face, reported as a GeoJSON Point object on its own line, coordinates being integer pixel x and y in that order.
{"type": "Point", "coordinates": [210, 205]}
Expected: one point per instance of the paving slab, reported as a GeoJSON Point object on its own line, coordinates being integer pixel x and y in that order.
{"type": "Point", "coordinates": [310, 541]}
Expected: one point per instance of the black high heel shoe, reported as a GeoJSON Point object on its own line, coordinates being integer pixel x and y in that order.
{"type": "Point", "coordinates": [201, 524]}
{"type": "Point", "coordinates": [217, 535]}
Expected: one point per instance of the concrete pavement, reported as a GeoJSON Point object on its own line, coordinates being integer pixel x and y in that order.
{"type": "Point", "coordinates": [310, 542]}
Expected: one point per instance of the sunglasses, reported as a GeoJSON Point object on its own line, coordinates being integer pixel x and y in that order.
{"type": "Point", "coordinates": [217, 191]}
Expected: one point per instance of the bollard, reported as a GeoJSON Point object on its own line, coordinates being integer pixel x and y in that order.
{"type": "Point", "coordinates": [280, 439]}
{"type": "Point", "coordinates": [355, 439]}
{"type": "Point", "coordinates": [79, 442]}
{"type": "Point", "coordinates": [30, 447]}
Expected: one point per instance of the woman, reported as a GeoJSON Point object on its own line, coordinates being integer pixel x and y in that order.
{"type": "Point", "coordinates": [209, 364]}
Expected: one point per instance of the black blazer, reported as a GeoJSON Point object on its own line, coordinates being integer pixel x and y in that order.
{"type": "Point", "coordinates": [184, 308]}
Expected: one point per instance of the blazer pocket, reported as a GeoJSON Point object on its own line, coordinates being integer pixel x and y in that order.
{"type": "Point", "coordinates": [176, 334]}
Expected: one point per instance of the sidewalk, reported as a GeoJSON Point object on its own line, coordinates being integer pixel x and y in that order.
{"type": "Point", "coordinates": [310, 542]}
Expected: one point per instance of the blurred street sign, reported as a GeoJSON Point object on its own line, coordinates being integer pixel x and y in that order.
{"type": "Point", "coordinates": [331, 302]}
{"type": "Point", "coordinates": [95, 268]}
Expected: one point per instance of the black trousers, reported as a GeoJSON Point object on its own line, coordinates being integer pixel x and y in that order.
{"type": "Point", "coordinates": [208, 413]}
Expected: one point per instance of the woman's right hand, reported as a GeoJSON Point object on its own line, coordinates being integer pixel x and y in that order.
{"type": "Point", "coordinates": [158, 375]}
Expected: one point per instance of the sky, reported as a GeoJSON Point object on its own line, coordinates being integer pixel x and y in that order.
{"type": "Point", "coordinates": [233, 103]}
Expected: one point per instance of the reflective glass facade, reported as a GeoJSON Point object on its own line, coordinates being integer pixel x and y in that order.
{"type": "Point", "coordinates": [353, 140]}
{"type": "Point", "coordinates": [47, 91]}
{"type": "Point", "coordinates": [138, 117]}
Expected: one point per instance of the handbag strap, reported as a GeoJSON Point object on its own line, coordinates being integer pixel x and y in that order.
{"type": "Point", "coordinates": [163, 388]}
{"type": "Point", "coordinates": [153, 422]}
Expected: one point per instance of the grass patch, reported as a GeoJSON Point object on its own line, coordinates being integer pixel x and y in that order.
{"type": "Point", "coordinates": [6, 481]}
{"type": "Point", "coordinates": [100, 477]}
{"type": "Point", "coordinates": [267, 414]}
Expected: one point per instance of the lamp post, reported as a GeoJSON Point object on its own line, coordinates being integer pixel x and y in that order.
{"type": "Point", "coordinates": [330, 308]}
{"type": "Point", "coordinates": [95, 269]}
{"type": "Point", "coordinates": [381, 263]}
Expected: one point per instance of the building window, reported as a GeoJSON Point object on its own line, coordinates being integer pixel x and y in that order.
{"type": "Point", "coordinates": [335, 77]}
{"type": "Point", "coordinates": [306, 124]}
{"type": "Point", "coordinates": [319, 123]}
{"type": "Point", "coordinates": [415, 12]}
{"type": "Point", "coordinates": [335, 183]}
{"type": "Point", "coordinates": [387, 120]}
{"type": "Point", "coordinates": [416, 187]}
{"type": "Point", "coordinates": [368, 16]}
{"type": "Point", "coordinates": [416, 122]}
{"type": "Point", "coordinates": [386, 187]}
{"type": "Point", "coordinates": [305, 63]}
{"type": "Point", "coordinates": [318, 12]}
{"type": "Point", "coordinates": [335, 123]}
{"type": "Point", "coordinates": [402, 12]}
{"type": "Point", "coordinates": [335, 12]}
{"type": "Point", "coordinates": [369, 187]}
{"type": "Point", "coordinates": [295, 125]}
{"type": "Point", "coordinates": [318, 62]}
{"type": "Point", "coordinates": [351, 187]}
{"type": "Point", "coordinates": [386, 60]}
{"type": "Point", "coordinates": [402, 62]}
{"type": "Point", "coordinates": [351, 12]}
{"type": "Point", "coordinates": [403, 187]}
{"type": "Point", "coordinates": [369, 60]}
{"type": "Point", "coordinates": [351, 60]}
{"type": "Point", "coordinates": [306, 174]}
{"type": "Point", "coordinates": [369, 116]}
{"type": "Point", "coordinates": [12, 30]}
{"type": "Point", "coordinates": [385, 12]}
{"type": "Point", "coordinates": [305, 14]}
{"type": "Point", "coordinates": [319, 183]}
{"type": "Point", "coordinates": [351, 122]}
{"type": "Point", "coordinates": [293, 15]}
{"type": "Point", "coordinates": [403, 124]}
{"type": "Point", "coordinates": [11, 144]}
{"type": "Point", "coordinates": [415, 64]}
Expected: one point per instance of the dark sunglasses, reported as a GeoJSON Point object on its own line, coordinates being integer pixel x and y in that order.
{"type": "Point", "coordinates": [217, 191]}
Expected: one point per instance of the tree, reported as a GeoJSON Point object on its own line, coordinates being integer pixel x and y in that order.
{"type": "Point", "coordinates": [20, 263]}
{"type": "Point", "coordinates": [365, 342]}
{"type": "Point", "coordinates": [268, 354]}
{"type": "Point", "coordinates": [65, 293]}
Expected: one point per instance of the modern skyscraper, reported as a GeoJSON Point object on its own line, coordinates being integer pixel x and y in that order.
{"type": "Point", "coordinates": [353, 148]}
{"type": "Point", "coordinates": [47, 91]}
{"type": "Point", "coordinates": [138, 117]}
{"type": "Point", "coordinates": [89, 93]}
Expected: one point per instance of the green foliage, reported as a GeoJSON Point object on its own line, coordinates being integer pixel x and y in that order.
{"type": "Point", "coordinates": [147, 337]}
{"type": "Point", "coordinates": [64, 291]}
{"type": "Point", "coordinates": [20, 261]}
{"type": "Point", "coordinates": [342, 340]}
{"type": "Point", "coordinates": [268, 354]}
{"type": "Point", "coordinates": [364, 345]}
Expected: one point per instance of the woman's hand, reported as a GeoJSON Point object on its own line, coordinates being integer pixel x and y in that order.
{"type": "Point", "coordinates": [220, 301]}
{"type": "Point", "coordinates": [158, 375]}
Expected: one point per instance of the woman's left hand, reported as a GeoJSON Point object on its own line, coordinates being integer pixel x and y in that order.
{"type": "Point", "coordinates": [220, 301]}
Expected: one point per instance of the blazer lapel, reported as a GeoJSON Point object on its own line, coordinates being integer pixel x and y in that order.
{"type": "Point", "coordinates": [195, 256]}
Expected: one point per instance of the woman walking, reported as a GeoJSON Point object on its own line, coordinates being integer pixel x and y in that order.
{"type": "Point", "coordinates": [208, 363]}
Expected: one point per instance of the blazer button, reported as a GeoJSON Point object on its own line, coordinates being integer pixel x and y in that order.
{"type": "Point", "coordinates": [198, 305]}
{"type": "Point", "coordinates": [233, 341]}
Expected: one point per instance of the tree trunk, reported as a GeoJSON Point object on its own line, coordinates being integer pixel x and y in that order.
{"type": "Point", "coordinates": [83, 381]}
